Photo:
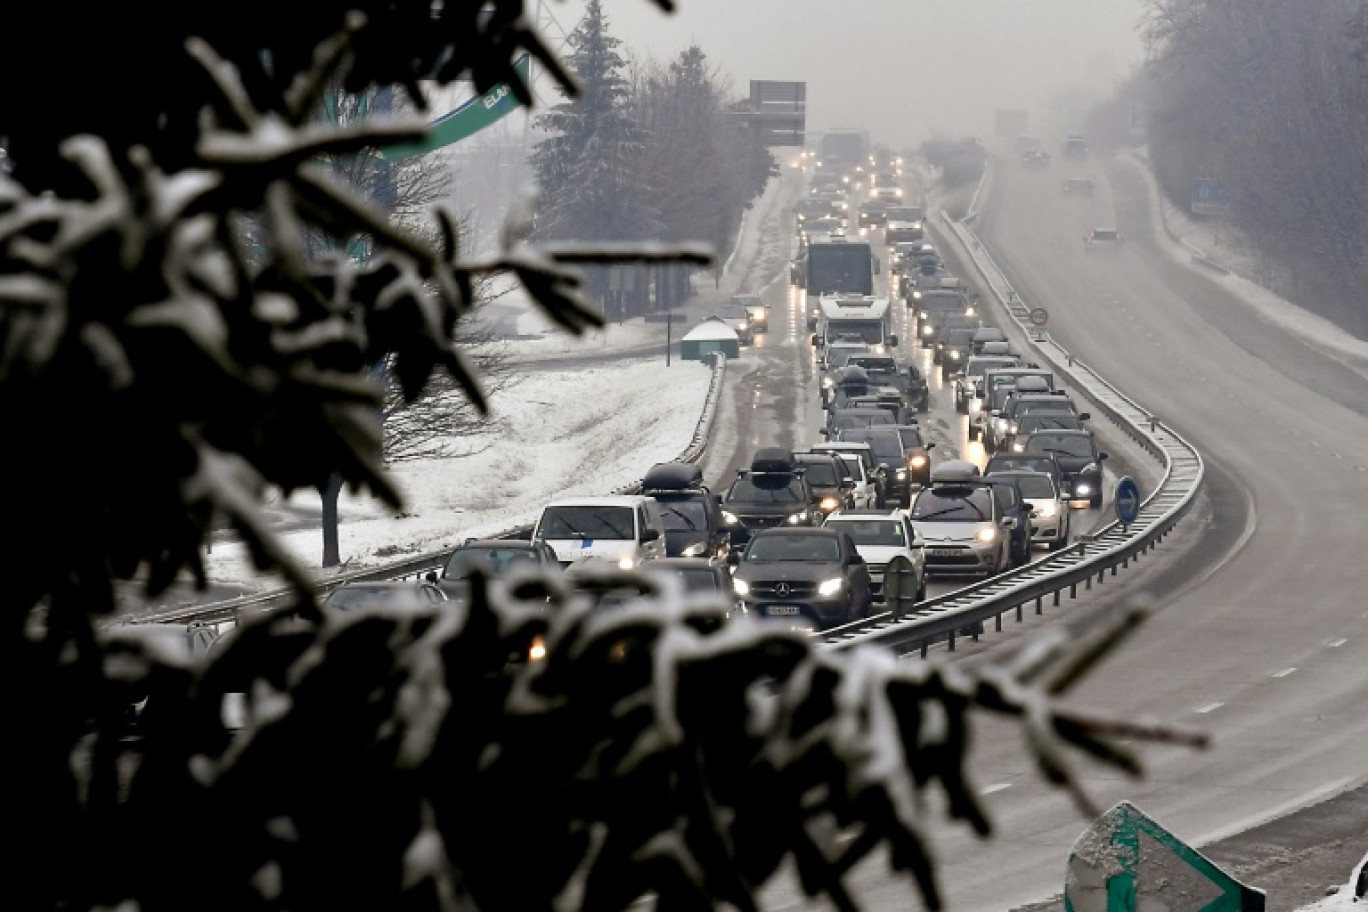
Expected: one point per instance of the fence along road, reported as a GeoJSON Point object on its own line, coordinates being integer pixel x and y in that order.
{"type": "Point", "coordinates": [1108, 549]}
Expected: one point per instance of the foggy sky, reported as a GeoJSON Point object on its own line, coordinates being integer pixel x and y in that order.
{"type": "Point", "coordinates": [905, 70]}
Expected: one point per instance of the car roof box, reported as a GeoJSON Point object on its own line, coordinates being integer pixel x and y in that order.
{"type": "Point", "coordinates": [955, 470]}
{"type": "Point", "coordinates": [672, 476]}
{"type": "Point", "coordinates": [1032, 384]}
{"type": "Point", "coordinates": [996, 347]}
{"type": "Point", "coordinates": [773, 460]}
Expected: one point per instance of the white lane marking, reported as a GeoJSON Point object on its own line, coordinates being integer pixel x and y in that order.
{"type": "Point", "coordinates": [1284, 673]}
{"type": "Point", "coordinates": [997, 787]}
{"type": "Point", "coordinates": [1203, 710]}
{"type": "Point", "coordinates": [1336, 644]}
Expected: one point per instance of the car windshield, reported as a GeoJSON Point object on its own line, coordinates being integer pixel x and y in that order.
{"type": "Point", "coordinates": [1035, 485]}
{"type": "Point", "coordinates": [868, 331]}
{"type": "Point", "coordinates": [683, 515]}
{"type": "Point", "coordinates": [1064, 444]}
{"type": "Point", "coordinates": [350, 598]}
{"type": "Point", "coordinates": [875, 363]}
{"type": "Point", "coordinates": [752, 489]}
{"type": "Point", "coordinates": [942, 302]}
{"type": "Point", "coordinates": [1030, 463]}
{"type": "Point", "coordinates": [979, 367]}
{"type": "Point", "coordinates": [845, 421]}
{"type": "Point", "coordinates": [693, 579]}
{"type": "Point", "coordinates": [886, 532]}
{"type": "Point", "coordinates": [911, 437]}
{"type": "Point", "coordinates": [821, 474]}
{"type": "Point", "coordinates": [589, 522]}
{"type": "Point", "coordinates": [1047, 421]}
{"type": "Point", "coordinates": [885, 446]}
{"type": "Point", "coordinates": [494, 560]}
{"type": "Point", "coordinates": [953, 505]}
{"type": "Point", "coordinates": [904, 214]}
{"type": "Point", "coordinates": [820, 548]}
{"type": "Point", "coordinates": [1057, 406]}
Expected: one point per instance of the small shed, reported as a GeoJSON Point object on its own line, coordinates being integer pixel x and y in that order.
{"type": "Point", "coordinates": [711, 335]}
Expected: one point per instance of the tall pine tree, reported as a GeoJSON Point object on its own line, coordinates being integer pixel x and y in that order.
{"type": "Point", "coordinates": [589, 169]}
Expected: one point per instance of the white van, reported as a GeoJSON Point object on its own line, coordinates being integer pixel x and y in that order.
{"type": "Point", "coordinates": [625, 528]}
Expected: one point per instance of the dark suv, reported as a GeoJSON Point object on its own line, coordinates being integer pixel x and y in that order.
{"type": "Point", "coordinates": [1078, 457]}
{"type": "Point", "coordinates": [891, 451]}
{"type": "Point", "coordinates": [772, 492]}
{"type": "Point", "coordinates": [829, 480]}
{"type": "Point", "coordinates": [1013, 506]}
{"type": "Point", "coordinates": [693, 520]}
{"type": "Point", "coordinates": [807, 577]}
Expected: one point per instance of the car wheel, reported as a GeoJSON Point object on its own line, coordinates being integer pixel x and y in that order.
{"type": "Point", "coordinates": [1060, 543]}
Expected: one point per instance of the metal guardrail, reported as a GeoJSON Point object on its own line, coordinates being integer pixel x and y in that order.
{"type": "Point", "coordinates": [1091, 556]}
{"type": "Point", "coordinates": [415, 567]}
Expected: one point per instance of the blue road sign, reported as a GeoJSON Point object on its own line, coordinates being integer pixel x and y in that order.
{"type": "Point", "coordinates": [1127, 500]}
{"type": "Point", "coordinates": [1209, 197]}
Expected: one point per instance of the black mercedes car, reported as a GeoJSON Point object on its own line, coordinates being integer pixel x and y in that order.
{"type": "Point", "coordinates": [1079, 460]}
{"type": "Point", "coordinates": [810, 578]}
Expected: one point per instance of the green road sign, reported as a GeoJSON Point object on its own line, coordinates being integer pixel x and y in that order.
{"type": "Point", "coordinates": [1126, 862]}
{"type": "Point", "coordinates": [467, 120]}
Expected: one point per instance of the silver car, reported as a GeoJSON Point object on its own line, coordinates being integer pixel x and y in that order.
{"type": "Point", "coordinates": [959, 520]}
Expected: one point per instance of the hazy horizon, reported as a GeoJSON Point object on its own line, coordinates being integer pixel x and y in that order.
{"type": "Point", "coordinates": [905, 70]}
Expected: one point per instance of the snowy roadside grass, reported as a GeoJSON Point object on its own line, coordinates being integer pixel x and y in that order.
{"type": "Point", "coordinates": [588, 430]}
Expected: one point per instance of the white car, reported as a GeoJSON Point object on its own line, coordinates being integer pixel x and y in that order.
{"type": "Point", "coordinates": [958, 516]}
{"type": "Point", "coordinates": [880, 536]}
{"type": "Point", "coordinates": [1050, 525]}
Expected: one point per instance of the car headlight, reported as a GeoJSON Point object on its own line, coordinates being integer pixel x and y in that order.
{"type": "Point", "coordinates": [828, 382]}
{"type": "Point", "coordinates": [917, 462]}
{"type": "Point", "coordinates": [954, 356]}
{"type": "Point", "coordinates": [916, 226]}
{"type": "Point", "coordinates": [829, 503]}
{"type": "Point", "coordinates": [536, 650]}
{"type": "Point", "coordinates": [830, 587]}
{"type": "Point", "coordinates": [974, 406]}
{"type": "Point", "coordinates": [1047, 509]}
{"type": "Point", "coordinates": [1082, 489]}
{"type": "Point", "coordinates": [1012, 427]}
{"type": "Point", "coordinates": [694, 550]}
{"type": "Point", "coordinates": [928, 329]}
{"type": "Point", "coordinates": [1002, 425]}
{"type": "Point", "coordinates": [729, 518]}
{"type": "Point", "coordinates": [1018, 448]}
{"type": "Point", "coordinates": [968, 311]}
{"type": "Point", "coordinates": [626, 563]}
{"type": "Point", "coordinates": [902, 473]}
{"type": "Point", "coordinates": [987, 536]}
{"type": "Point", "coordinates": [741, 586]}
{"type": "Point", "coordinates": [916, 294]}
{"type": "Point", "coordinates": [796, 518]}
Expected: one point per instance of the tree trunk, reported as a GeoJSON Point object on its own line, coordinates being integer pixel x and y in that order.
{"type": "Point", "coordinates": [332, 552]}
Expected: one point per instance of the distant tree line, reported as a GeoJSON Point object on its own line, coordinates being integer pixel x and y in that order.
{"type": "Point", "coordinates": [1269, 97]}
{"type": "Point", "coordinates": [648, 152]}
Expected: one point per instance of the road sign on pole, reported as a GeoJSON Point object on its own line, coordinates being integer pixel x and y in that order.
{"type": "Point", "coordinates": [900, 586]}
{"type": "Point", "coordinates": [1127, 500]}
{"type": "Point", "coordinates": [1126, 861]}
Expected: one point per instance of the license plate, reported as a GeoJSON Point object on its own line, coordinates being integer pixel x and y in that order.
{"type": "Point", "coordinates": [786, 610]}
{"type": "Point", "coordinates": [944, 552]}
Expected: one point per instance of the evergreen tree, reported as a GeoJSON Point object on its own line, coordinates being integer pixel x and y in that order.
{"type": "Point", "coordinates": [590, 168]}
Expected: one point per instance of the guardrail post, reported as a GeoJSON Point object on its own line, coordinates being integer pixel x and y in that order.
{"type": "Point", "coordinates": [997, 621]}
{"type": "Point", "coordinates": [1040, 603]}
{"type": "Point", "coordinates": [1073, 589]}
{"type": "Point", "coordinates": [950, 641]}
{"type": "Point", "coordinates": [1153, 423]}
{"type": "Point", "coordinates": [1056, 598]}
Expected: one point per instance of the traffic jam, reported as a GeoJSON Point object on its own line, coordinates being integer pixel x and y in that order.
{"type": "Point", "coordinates": [940, 456]}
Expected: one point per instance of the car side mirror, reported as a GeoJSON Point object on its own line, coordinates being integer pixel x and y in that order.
{"type": "Point", "coordinates": [856, 559]}
{"type": "Point", "coordinates": [431, 576]}
{"type": "Point", "coordinates": [893, 341]}
{"type": "Point", "coordinates": [650, 535]}
{"type": "Point", "coordinates": [814, 338]}
{"type": "Point", "coordinates": [847, 484]}
{"type": "Point", "coordinates": [1083, 416]}
{"type": "Point", "coordinates": [1101, 456]}
{"type": "Point", "coordinates": [826, 435]}
{"type": "Point", "coordinates": [931, 445]}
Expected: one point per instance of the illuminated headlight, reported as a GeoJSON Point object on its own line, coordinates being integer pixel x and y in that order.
{"type": "Point", "coordinates": [1012, 427]}
{"type": "Point", "coordinates": [741, 586]}
{"type": "Point", "coordinates": [828, 382]}
{"type": "Point", "coordinates": [626, 563]}
{"type": "Point", "coordinates": [898, 192]}
{"type": "Point", "coordinates": [1046, 510]}
{"type": "Point", "coordinates": [954, 356]}
{"type": "Point", "coordinates": [916, 226]}
{"type": "Point", "coordinates": [830, 587]}
{"type": "Point", "coordinates": [694, 550]}
{"type": "Point", "coordinates": [796, 518]}
{"type": "Point", "coordinates": [928, 329]}
{"type": "Point", "coordinates": [729, 518]}
{"type": "Point", "coordinates": [974, 406]}
{"type": "Point", "coordinates": [1002, 425]}
{"type": "Point", "coordinates": [536, 650]}
{"type": "Point", "coordinates": [1018, 448]}
{"type": "Point", "coordinates": [902, 473]}
{"type": "Point", "coordinates": [917, 294]}
{"type": "Point", "coordinates": [917, 462]}
{"type": "Point", "coordinates": [741, 324]}
{"type": "Point", "coordinates": [986, 536]}
{"type": "Point", "coordinates": [829, 503]}
{"type": "Point", "coordinates": [1082, 489]}
{"type": "Point", "coordinates": [968, 311]}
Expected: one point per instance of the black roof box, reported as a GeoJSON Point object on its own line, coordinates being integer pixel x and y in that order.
{"type": "Point", "coordinates": [672, 476]}
{"type": "Point", "coordinates": [773, 460]}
